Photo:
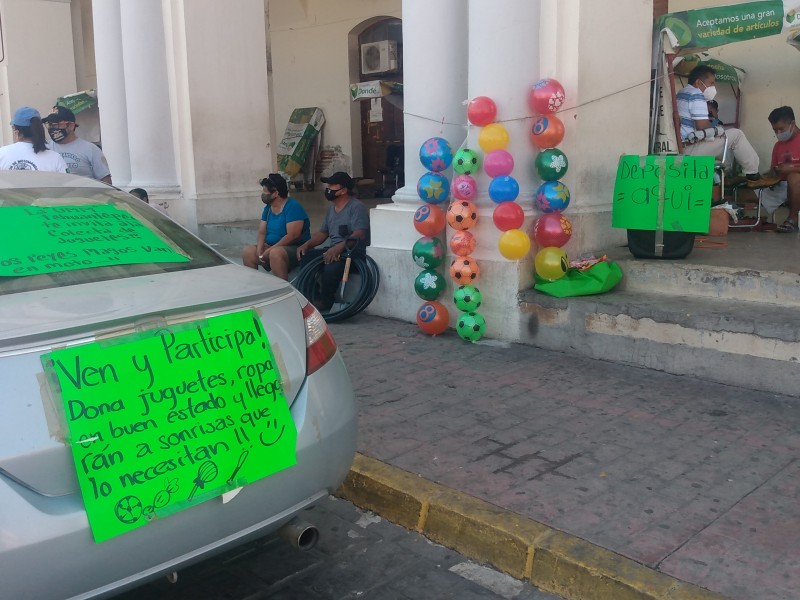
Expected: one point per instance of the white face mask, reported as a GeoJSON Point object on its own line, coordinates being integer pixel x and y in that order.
{"type": "Point", "coordinates": [710, 93]}
{"type": "Point", "coordinates": [785, 136]}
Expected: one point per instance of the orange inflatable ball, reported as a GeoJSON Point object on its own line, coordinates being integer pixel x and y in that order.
{"type": "Point", "coordinates": [462, 214]}
{"type": "Point", "coordinates": [462, 243]}
{"type": "Point", "coordinates": [493, 137]}
{"type": "Point", "coordinates": [429, 220]}
{"type": "Point", "coordinates": [464, 270]}
{"type": "Point", "coordinates": [433, 318]}
{"type": "Point", "coordinates": [547, 132]}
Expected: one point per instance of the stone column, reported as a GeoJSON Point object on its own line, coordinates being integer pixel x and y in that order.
{"type": "Point", "coordinates": [150, 140]}
{"type": "Point", "coordinates": [434, 82]}
{"type": "Point", "coordinates": [434, 92]}
{"type": "Point", "coordinates": [111, 89]}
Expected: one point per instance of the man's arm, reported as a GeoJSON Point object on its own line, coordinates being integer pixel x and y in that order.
{"type": "Point", "coordinates": [316, 239]}
{"type": "Point", "coordinates": [261, 243]}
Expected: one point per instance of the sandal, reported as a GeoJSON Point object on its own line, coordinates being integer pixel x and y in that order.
{"type": "Point", "coordinates": [788, 226]}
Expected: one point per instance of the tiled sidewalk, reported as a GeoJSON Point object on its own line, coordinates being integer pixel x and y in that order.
{"type": "Point", "coordinates": [698, 480]}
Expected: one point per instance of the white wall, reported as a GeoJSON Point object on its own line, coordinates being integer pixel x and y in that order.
{"type": "Point", "coordinates": [773, 73]}
{"type": "Point", "coordinates": [38, 64]}
{"type": "Point", "coordinates": [310, 59]}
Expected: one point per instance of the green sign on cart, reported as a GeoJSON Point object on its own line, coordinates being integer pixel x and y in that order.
{"type": "Point", "coordinates": [670, 193]}
{"type": "Point", "coordinates": [162, 420]}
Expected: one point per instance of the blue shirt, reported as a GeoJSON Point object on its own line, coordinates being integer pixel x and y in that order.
{"type": "Point", "coordinates": [692, 106]}
{"type": "Point", "coordinates": [276, 224]}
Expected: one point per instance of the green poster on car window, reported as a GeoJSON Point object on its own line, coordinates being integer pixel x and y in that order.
{"type": "Point", "coordinates": [671, 193]}
{"type": "Point", "coordinates": [48, 239]}
{"type": "Point", "coordinates": [162, 420]}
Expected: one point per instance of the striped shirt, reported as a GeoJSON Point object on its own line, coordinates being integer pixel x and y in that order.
{"type": "Point", "coordinates": [692, 107]}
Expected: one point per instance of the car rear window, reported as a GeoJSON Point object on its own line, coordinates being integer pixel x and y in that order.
{"type": "Point", "coordinates": [55, 237]}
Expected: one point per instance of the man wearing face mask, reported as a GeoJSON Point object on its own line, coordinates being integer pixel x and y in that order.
{"type": "Point", "coordinates": [284, 225]}
{"type": "Point", "coordinates": [697, 133]}
{"type": "Point", "coordinates": [347, 218]}
{"type": "Point", "coordinates": [786, 165]}
{"type": "Point", "coordinates": [82, 157]}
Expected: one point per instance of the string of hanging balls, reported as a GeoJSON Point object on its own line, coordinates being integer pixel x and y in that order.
{"type": "Point", "coordinates": [551, 229]}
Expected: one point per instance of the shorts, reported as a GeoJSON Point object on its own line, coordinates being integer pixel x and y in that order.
{"type": "Point", "coordinates": [775, 196]}
{"type": "Point", "coordinates": [291, 251]}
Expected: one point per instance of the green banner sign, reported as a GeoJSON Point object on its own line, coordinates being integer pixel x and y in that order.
{"type": "Point", "coordinates": [715, 26]}
{"type": "Point", "coordinates": [162, 420]}
{"type": "Point", "coordinates": [672, 193]}
{"type": "Point", "coordinates": [48, 239]}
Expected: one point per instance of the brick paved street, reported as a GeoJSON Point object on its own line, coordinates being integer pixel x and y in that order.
{"type": "Point", "coordinates": [698, 480]}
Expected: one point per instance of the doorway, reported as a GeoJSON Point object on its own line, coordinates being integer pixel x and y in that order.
{"type": "Point", "coordinates": [380, 48]}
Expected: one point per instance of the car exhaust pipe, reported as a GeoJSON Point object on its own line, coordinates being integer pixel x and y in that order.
{"type": "Point", "coordinates": [300, 534]}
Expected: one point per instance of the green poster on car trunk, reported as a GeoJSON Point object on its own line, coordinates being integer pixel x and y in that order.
{"type": "Point", "coordinates": [163, 420]}
{"type": "Point", "coordinates": [49, 239]}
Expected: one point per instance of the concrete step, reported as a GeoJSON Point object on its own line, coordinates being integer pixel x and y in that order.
{"type": "Point", "coordinates": [234, 234]}
{"type": "Point", "coordinates": [742, 343]}
{"type": "Point", "coordinates": [771, 285]}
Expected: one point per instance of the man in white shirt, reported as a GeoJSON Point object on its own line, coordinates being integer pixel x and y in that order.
{"type": "Point", "coordinates": [82, 157]}
{"type": "Point", "coordinates": [697, 133]}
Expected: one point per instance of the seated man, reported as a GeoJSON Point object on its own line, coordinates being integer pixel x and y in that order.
{"type": "Point", "coordinates": [786, 165]}
{"type": "Point", "coordinates": [284, 226]}
{"type": "Point", "coordinates": [346, 218]}
{"type": "Point", "coordinates": [693, 111]}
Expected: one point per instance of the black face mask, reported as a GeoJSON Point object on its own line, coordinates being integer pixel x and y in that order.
{"type": "Point", "coordinates": [57, 134]}
{"type": "Point", "coordinates": [330, 194]}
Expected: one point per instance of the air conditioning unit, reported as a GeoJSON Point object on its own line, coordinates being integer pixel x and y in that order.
{"type": "Point", "coordinates": [379, 57]}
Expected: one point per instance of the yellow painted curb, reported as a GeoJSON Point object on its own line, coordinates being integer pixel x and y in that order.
{"type": "Point", "coordinates": [553, 561]}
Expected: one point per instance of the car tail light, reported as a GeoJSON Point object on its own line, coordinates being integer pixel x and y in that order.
{"type": "Point", "coordinates": [320, 345]}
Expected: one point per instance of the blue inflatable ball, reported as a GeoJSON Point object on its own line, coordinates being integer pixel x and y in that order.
{"type": "Point", "coordinates": [433, 188]}
{"type": "Point", "coordinates": [503, 189]}
{"type": "Point", "coordinates": [552, 196]}
{"type": "Point", "coordinates": [436, 154]}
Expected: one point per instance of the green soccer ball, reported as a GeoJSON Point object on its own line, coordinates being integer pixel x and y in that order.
{"type": "Point", "coordinates": [471, 326]}
{"type": "Point", "coordinates": [467, 298]}
{"type": "Point", "coordinates": [466, 161]}
{"type": "Point", "coordinates": [429, 284]}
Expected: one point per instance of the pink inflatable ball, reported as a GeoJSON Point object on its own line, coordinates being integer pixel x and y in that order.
{"type": "Point", "coordinates": [463, 187]}
{"type": "Point", "coordinates": [498, 163]}
{"type": "Point", "coordinates": [481, 111]}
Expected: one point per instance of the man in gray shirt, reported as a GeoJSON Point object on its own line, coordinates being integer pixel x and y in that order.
{"type": "Point", "coordinates": [82, 157]}
{"type": "Point", "coordinates": [347, 219]}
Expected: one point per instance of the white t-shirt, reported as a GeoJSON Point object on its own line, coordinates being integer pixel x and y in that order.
{"type": "Point", "coordinates": [21, 157]}
{"type": "Point", "coordinates": [83, 158]}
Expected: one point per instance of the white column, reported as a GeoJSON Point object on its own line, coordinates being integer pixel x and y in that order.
{"type": "Point", "coordinates": [150, 140]}
{"type": "Point", "coordinates": [434, 82]}
{"type": "Point", "coordinates": [111, 89]}
{"type": "Point", "coordinates": [503, 65]}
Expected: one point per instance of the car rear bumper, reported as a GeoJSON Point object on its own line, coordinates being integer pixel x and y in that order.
{"type": "Point", "coordinates": [47, 551]}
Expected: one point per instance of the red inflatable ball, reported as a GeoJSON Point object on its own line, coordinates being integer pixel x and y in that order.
{"type": "Point", "coordinates": [433, 318]}
{"type": "Point", "coordinates": [481, 111]}
{"type": "Point", "coordinates": [508, 216]}
{"type": "Point", "coordinates": [546, 96]}
{"type": "Point", "coordinates": [552, 229]}
{"type": "Point", "coordinates": [462, 243]}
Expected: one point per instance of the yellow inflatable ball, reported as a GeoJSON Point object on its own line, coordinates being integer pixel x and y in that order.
{"type": "Point", "coordinates": [514, 244]}
{"type": "Point", "coordinates": [493, 137]}
{"type": "Point", "coordinates": [551, 263]}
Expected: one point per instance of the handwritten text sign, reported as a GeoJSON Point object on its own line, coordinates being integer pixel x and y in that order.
{"type": "Point", "coordinates": [163, 420]}
{"type": "Point", "coordinates": [673, 191]}
{"type": "Point", "coordinates": [47, 239]}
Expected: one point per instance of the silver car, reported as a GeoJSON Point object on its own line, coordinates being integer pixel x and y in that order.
{"type": "Point", "coordinates": [159, 404]}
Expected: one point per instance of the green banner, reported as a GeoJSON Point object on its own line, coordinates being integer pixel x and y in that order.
{"type": "Point", "coordinates": [162, 420]}
{"type": "Point", "coordinates": [48, 239]}
{"type": "Point", "coordinates": [715, 26]}
{"type": "Point", "coordinates": [672, 193]}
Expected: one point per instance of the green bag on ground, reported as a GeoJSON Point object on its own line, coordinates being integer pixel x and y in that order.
{"type": "Point", "coordinates": [599, 278]}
